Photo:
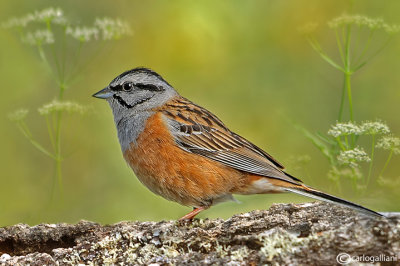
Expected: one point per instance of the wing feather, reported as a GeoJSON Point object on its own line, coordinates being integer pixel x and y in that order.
{"type": "Point", "coordinates": [198, 131]}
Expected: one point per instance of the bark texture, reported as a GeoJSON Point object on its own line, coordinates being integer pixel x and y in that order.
{"type": "Point", "coordinates": [302, 234]}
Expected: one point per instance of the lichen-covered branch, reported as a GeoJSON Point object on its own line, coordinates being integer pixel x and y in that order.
{"type": "Point", "coordinates": [311, 233]}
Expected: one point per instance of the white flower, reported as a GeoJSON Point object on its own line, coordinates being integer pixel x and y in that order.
{"type": "Point", "coordinates": [18, 22]}
{"type": "Point", "coordinates": [351, 173]}
{"type": "Point", "coordinates": [112, 29]}
{"type": "Point", "coordinates": [344, 129]}
{"type": "Point", "coordinates": [39, 37]}
{"type": "Point", "coordinates": [352, 157]}
{"type": "Point", "coordinates": [18, 115]}
{"type": "Point", "coordinates": [374, 128]}
{"type": "Point", "coordinates": [83, 34]}
{"type": "Point", "coordinates": [391, 29]}
{"type": "Point", "coordinates": [54, 15]}
{"type": "Point", "coordinates": [308, 28]}
{"type": "Point", "coordinates": [56, 106]}
{"type": "Point", "coordinates": [362, 21]}
{"type": "Point", "coordinates": [389, 143]}
{"type": "Point", "coordinates": [50, 14]}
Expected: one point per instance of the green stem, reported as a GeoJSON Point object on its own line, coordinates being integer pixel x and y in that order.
{"type": "Point", "coordinates": [64, 52]}
{"type": "Point", "coordinates": [62, 86]}
{"type": "Point", "coordinates": [372, 160]}
{"type": "Point", "coordinates": [364, 51]}
{"type": "Point", "coordinates": [339, 44]}
{"type": "Point", "coordinates": [315, 45]}
{"type": "Point", "coordinates": [42, 56]}
{"type": "Point", "coordinates": [386, 163]}
{"type": "Point", "coordinates": [74, 64]}
{"type": "Point", "coordinates": [347, 73]}
{"type": "Point", "coordinates": [342, 101]}
{"type": "Point", "coordinates": [346, 141]}
{"type": "Point", "coordinates": [50, 131]}
{"type": "Point", "coordinates": [340, 143]}
{"type": "Point", "coordinates": [53, 49]}
{"type": "Point", "coordinates": [380, 48]}
{"type": "Point", "coordinates": [36, 144]}
{"type": "Point", "coordinates": [349, 94]}
{"type": "Point", "coordinates": [58, 159]}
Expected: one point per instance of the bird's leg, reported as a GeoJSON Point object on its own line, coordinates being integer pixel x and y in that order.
{"type": "Point", "coordinates": [192, 214]}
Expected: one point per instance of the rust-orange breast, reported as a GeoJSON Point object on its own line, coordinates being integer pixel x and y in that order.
{"type": "Point", "coordinates": [176, 174]}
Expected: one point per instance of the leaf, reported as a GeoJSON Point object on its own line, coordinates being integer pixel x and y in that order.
{"type": "Point", "coordinates": [325, 138]}
{"type": "Point", "coordinates": [316, 141]}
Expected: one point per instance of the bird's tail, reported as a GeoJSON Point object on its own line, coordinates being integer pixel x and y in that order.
{"type": "Point", "coordinates": [312, 193]}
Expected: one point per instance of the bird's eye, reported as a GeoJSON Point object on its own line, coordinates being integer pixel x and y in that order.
{"type": "Point", "coordinates": [127, 86]}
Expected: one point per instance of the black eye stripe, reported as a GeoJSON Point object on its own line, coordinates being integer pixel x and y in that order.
{"type": "Point", "coordinates": [116, 88]}
{"type": "Point", "coordinates": [149, 87]}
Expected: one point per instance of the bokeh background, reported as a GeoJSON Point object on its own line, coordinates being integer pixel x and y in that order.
{"type": "Point", "coordinates": [243, 60]}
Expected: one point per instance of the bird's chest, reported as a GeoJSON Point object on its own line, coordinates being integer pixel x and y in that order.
{"type": "Point", "coordinates": [129, 129]}
{"type": "Point", "coordinates": [148, 155]}
{"type": "Point", "coordinates": [173, 173]}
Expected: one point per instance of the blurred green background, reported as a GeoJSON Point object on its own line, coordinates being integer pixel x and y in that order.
{"type": "Point", "coordinates": [243, 60]}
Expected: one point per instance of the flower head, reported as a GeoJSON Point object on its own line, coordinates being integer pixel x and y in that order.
{"type": "Point", "coordinates": [83, 34]}
{"type": "Point", "coordinates": [18, 115]}
{"type": "Point", "coordinates": [374, 128]}
{"type": "Point", "coordinates": [15, 22]}
{"type": "Point", "coordinates": [353, 157]}
{"type": "Point", "coordinates": [362, 21]}
{"type": "Point", "coordinates": [308, 28]}
{"type": "Point", "coordinates": [389, 143]}
{"type": "Point", "coordinates": [112, 28]}
{"type": "Point", "coordinates": [48, 15]}
{"type": "Point", "coordinates": [39, 37]}
{"type": "Point", "coordinates": [344, 129]}
{"type": "Point", "coordinates": [56, 106]}
{"type": "Point", "coordinates": [352, 173]}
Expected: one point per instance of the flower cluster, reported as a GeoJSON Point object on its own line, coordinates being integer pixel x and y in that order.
{"type": "Point", "coordinates": [56, 106]}
{"type": "Point", "coordinates": [353, 157]}
{"type": "Point", "coordinates": [360, 20]}
{"type": "Point", "coordinates": [350, 173]}
{"type": "Point", "coordinates": [112, 28]}
{"type": "Point", "coordinates": [18, 115]}
{"type": "Point", "coordinates": [48, 15]}
{"type": "Point", "coordinates": [39, 37]}
{"type": "Point", "coordinates": [344, 129]}
{"type": "Point", "coordinates": [83, 34]}
{"type": "Point", "coordinates": [103, 28]}
{"type": "Point", "coordinates": [308, 28]}
{"type": "Point", "coordinates": [389, 143]}
{"type": "Point", "coordinates": [374, 128]}
{"type": "Point", "coordinates": [365, 128]}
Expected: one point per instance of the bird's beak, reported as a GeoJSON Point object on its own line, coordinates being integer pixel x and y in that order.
{"type": "Point", "coordinates": [104, 93]}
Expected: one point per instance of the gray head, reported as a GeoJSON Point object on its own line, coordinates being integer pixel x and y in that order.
{"type": "Point", "coordinates": [134, 91]}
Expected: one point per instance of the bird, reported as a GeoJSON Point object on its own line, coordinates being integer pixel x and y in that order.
{"type": "Point", "coordinates": [184, 153]}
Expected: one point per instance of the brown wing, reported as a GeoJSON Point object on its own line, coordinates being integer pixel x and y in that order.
{"type": "Point", "coordinates": [198, 131]}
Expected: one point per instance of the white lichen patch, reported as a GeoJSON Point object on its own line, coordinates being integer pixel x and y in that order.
{"type": "Point", "coordinates": [280, 242]}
